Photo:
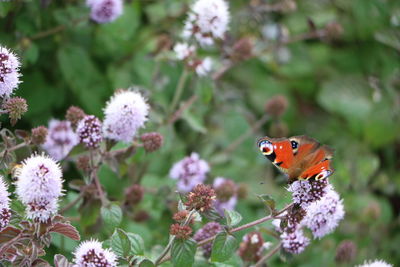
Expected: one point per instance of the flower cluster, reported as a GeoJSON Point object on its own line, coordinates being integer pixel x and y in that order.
{"type": "Point", "coordinates": [225, 190]}
{"type": "Point", "coordinates": [189, 172]}
{"type": "Point", "coordinates": [180, 231]}
{"type": "Point", "coordinates": [39, 186]}
{"type": "Point", "coordinates": [89, 131]}
{"type": "Point", "coordinates": [103, 11]}
{"type": "Point", "coordinates": [317, 206]}
{"type": "Point", "coordinates": [251, 247]}
{"type": "Point", "coordinates": [208, 230]}
{"type": "Point", "coordinates": [60, 139]}
{"type": "Point", "coordinates": [187, 53]}
{"type": "Point", "coordinates": [208, 20]}
{"type": "Point", "coordinates": [91, 253]}
{"type": "Point", "coordinates": [5, 213]}
{"type": "Point", "coordinates": [201, 198]}
{"type": "Point", "coordinates": [9, 72]}
{"type": "Point", "coordinates": [125, 114]}
{"type": "Point", "coordinates": [375, 263]}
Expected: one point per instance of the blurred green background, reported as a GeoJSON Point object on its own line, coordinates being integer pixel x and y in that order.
{"type": "Point", "coordinates": [343, 91]}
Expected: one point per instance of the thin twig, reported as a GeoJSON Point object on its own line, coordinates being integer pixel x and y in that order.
{"type": "Point", "coordinates": [71, 204]}
{"type": "Point", "coordinates": [179, 90]}
{"type": "Point", "coordinates": [184, 107]}
{"type": "Point", "coordinates": [268, 255]}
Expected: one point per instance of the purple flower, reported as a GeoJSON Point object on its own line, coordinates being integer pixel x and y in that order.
{"type": "Point", "coordinates": [9, 72]}
{"type": "Point", "coordinates": [5, 213]}
{"type": "Point", "coordinates": [91, 254]}
{"type": "Point", "coordinates": [125, 114]}
{"type": "Point", "coordinates": [208, 230]}
{"type": "Point", "coordinates": [305, 192]}
{"type": "Point", "coordinates": [89, 131]}
{"type": "Point", "coordinates": [39, 186]}
{"type": "Point", "coordinates": [323, 216]}
{"type": "Point", "coordinates": [60, 139]}
{"type": "Point", "coordinates": [189, 172]}
{"type": "Point", "coordinates": [103, 11]}
{"type": "Point", "coordinates": [294, 242]}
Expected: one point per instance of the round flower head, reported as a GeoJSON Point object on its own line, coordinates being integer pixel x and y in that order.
{"type": "Point", "coordinates": [5, 213]}
{"type": "Point", "coordinates": [323, 216]}
{"type": "Point", "coordinates": [9, 72]}
{"type": "Point", "coordinates": [294, 242]}
{"type": "Point", "coordinates": [207, 20]}
{"type": "Point", "coordinates": [208, 230]}
{"type": "Point", "coordinates": [39, 186]}
{"type": "Point", "coordinates": [184, 51]}
{"type": "Point", "coordinates": [251, 247]}
{"type": "Point", "coordinates": [91, 254]}
{"type": "Point", "coordinates": [226, 194]}
{"type": "Point", "coordinates": [125, 114]}
{"type": "Point", "coordinates": [60, 139]}
{"type": "Point", "coordinates": [203, 67]}
{"type": "Point", "coordinates": [375, 263]}
{"type": "Point", "coordinates": [89, 131]}
{"type": "Point", "coordinates": [189, 172]}
{"type": "Point", "coordinates": [103, 11]}
{"type": "Point", "coordinates": [308, 191]}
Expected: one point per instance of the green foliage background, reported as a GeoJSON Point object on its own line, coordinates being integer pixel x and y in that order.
{"type": "Point", "coordinates": [344, 93]}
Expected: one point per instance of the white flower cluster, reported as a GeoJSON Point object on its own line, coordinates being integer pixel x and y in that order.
{"type": "Point", "coordinates": [189, 172]}
{"type": "Point", "coordinates": [375, 263]}
{"type": "Point", "coordinates": [9, 72]}
{"type": "Point", "coordinates": [103, 11]}
{"type": "Point", "coordinates": [125, 114]}
{"type": "Point", "coordinates": [208, 20]}
{"type": "Point", "coordinates": [91, 254]}
{"type": "Point", "coordinates": [39, 186]}
{"type": "Point", "coordinates": [89, 131]}
{"type": "Point", "coordinates": [60, 139]}
{"type": "Point", "coordinates": [186, 52]}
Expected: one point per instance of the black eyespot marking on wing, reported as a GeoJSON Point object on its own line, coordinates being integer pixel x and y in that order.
{"type": "Point", "coordinates": [295, 145]}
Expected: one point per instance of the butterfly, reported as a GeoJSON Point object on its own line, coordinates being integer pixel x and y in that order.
{"type": "Point", "coordinates": [299, 157]}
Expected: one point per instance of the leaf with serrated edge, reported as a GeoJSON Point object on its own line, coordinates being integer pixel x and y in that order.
{"type": "Point", "coordinates": [182, 252]}
{"type": "Point", "coordinates": [223, 247]}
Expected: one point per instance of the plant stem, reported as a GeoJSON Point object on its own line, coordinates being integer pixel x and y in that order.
{"type": "Point", "coordinates": [179, 90]}
{"type": "Point", "coordinates": [168, 247]}
{"type": "Point", "coordinates": [268, 255]}
{"type": "Point", "coordinates": [71, 204]}
{"type": "Point", "coordinates": [237, 229]}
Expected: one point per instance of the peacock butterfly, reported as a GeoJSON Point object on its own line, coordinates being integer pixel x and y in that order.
{"type": "Point", "coordinates": [299, 157]}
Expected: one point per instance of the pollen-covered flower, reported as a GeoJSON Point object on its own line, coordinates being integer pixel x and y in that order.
{"type": "Point", "coordinates": [201, 198]}
{"type": "Point", "coordinates": [225, 190]}
{"type": "Point", "coordinates": [375, 263]}
{"type": "Point", "coordinates": [308, 191]}
{"type": "Point", "coordinates": [323, 216]}
{"type": "Point", "coordinates": [103, 11]}
{"type": "Point", "coordinates": [207, 20]}
{"type": "Point", "coordinates": [189, 172]}
{"type": "Point", "coordinates": [91, 254]}
{"type": "Point", "coordinates": [5, 213]}
{"type": "Point", "coordinates": [184, 50]}
{"type": "Point", "coordinates": [294, 242]}
{"type": "Point", "coordinates": [251, 247]}
{"type": "Point", "coordinates": [125, 114]}
{"type": "Point", "coordinates": [89, 131]}
{"type": "Point", "coordinates": [60, 139]}
{"type": "Point", "coordinates": [39, 186]}
{"type": "Point", "coordinates": [9, 72]}
{"type": "Point", "coordinates": [208, 230]}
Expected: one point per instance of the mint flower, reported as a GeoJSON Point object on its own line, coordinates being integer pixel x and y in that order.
{"type": "Point", "coordinates": [103, 11]}
{"type": "Point", "coordinates": [9, 72]}
{"type": "Point", "coordinates": [91, 254]}
{"type": "Point", "coordinates": [5, 213]}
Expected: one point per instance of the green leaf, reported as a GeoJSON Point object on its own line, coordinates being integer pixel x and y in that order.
{"type": "Point", "coordinates": [112, 215]}
{"type": "Point", "coordinates": [194, 122]}
{"type": "Point", "coordinates": [223, 247]}
{"type": "Point", "coordinates": [284, 255]}
{"type": "Point", "coordinates": [137, 244]}
{"type": "Point", "coordinates": [182, 252]}
{"type": "Point", "coordinates": [120, 243]}
{"type": "Point", "coordinates": [141, 261]}
{"type": "Point", "coordinates": [232, 217]}
{"type": "Point", "coordinates": [268, 201]}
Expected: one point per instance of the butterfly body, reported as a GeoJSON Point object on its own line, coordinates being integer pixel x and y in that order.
{"type": "Point", "coordinates": [299, 157]}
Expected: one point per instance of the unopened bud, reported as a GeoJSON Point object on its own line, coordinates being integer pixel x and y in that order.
{"type": "Point", "coordinates": [226, 190]}
{"type": "Point", "coordinates": [276, 106]}
{"type": "Point", "coordinates": [180, 231]}
{"type": "Point", "coordinates": [141, 216]}
{"type": "Point", "coordinates": [134, 194]}
{"type": "Point", "coordinates": [15, 107]}
{"type": "Point", "coordinates": [152, 141]}
{"type": "Point", "coordinates": [74, 115]}
{"type": "Point", "coordinates": [242, 49]}
{"type": "Point", "coordinates": [39, 135]}
{"type": "Point", "coordinates": [346, 252]}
